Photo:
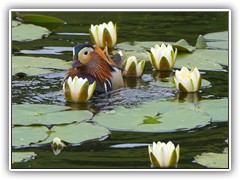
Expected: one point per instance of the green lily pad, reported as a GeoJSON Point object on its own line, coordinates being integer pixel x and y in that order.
{"type": "Point", "coordinates": [22, 156]}
{"type": "Point", "coordinates": [15, 23]}
{"type": "Point", "coordinates": [203, 59]}
{"type": "Point", "coordinates": [217, 40]}
{"type": "Point", "coordinates": [201, 43]}
{"type": "Point", "coordinates": [24, 136]}
{"type": "Point", "coordinates": [77, 133]}
{"type": "Point", "coordinates": [169, 116]}
{"type": "Point", "coordinates": [28, 32]}
{"type": "Point", "coordinates": [42, 20]}
{"type": "Point", "coordinates": [218, 45]}
{"type": "Point", "coordinates": [182, 45]}
{"type": "Point", "coordinates": [217, 109]}
{"type": "Point", "coordinates": [213, 160]}
{"type": "Point", "coordinates": [36, 65]}
{"type": "Point", "coordinates": [220, 36]}
{"type": "Point", "coordinates": [140, 55]}
{"type": "Point", "coordinates": [167, 82]}
{"type": "Point", "coordinates": [137, 45]}
{"type": "Point", "coordinates": [36, 114]}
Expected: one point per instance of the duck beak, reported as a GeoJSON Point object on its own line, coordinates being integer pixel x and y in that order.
{"type": "Point", "coordinates": [76, 64]}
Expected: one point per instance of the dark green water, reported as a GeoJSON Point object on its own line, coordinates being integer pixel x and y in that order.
{"type": "Point", "coordinates": [132, 26]}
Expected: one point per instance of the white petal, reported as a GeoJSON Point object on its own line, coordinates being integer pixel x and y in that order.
{"type": "Point", "coordinates": [100, 35]}
{"type": "Point", "coordinates": [184, 71]}
{"type": "Point", "coordinates": [140, 68]}
{"type": "Point", "coordinates": [163, 47]}
{"type": "Point", "coordinates": [130, 60]}
{"type": "Point", "coordinates": [111, 28]}
{"type": "Point", "coordinates": [91, 89]}
{"type": "Point", "coordinates": [196, 73]}
{"type": "Point", "coordinates": [94, 30]}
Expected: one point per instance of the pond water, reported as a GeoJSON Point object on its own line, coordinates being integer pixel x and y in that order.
{"type": "Point", "coordinates": [121, 149]}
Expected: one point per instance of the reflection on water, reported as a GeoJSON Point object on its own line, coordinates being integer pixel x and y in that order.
{"type": "Point", "coordinates": [193, 97]}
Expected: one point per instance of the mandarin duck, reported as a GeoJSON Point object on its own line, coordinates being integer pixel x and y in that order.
{"type": "Point", "coordinates": [93, 63]}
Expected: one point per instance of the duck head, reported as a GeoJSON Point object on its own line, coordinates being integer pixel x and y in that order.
{"type": "Point", "coordinates": [88, 59]}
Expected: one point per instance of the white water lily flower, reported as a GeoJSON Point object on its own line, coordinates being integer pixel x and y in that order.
{"type": "Point", "coordinates": [57, 145]}
{"type": "Point", "coordinates": [78, 89]}
{"type": "Point", "coordinates": [163, 57]}
{"type": "Point", "coordinates": [133, 68]}
{"type": "Point", "coordinates": [188, 81]}
{"type": "Point", "coordinates": [163, 155]}
{"type": "Point", "coordinates": [104, 34]}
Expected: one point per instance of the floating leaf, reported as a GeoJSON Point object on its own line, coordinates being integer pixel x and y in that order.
{"type": "Point", "coordinates": [139, 55]}
{"type": "Point", "coordinates": [30, 114]}
{"type": "Point", "coordinates": [218, 45]}
{"type": "Point", "coordinates": [24, 136]}
{"type": "Point", "coordinates": [28, 32]}
{"type": "Point", "coordinates": [77, 133]}
{"type": "Point", "coordinates": [167, 82]}
{"type": "Point", "coordinates": [42, 20]}
{"type": "Point", "coordinates": [182, 45]}
{"type": "Point", "coordinates": [36, 65]}
{"type": "Point", "coordinates": [223, 36]}
{"type": "Point", "coordinates": [174, 117]}
{"type": "Point", "coordinates": [217, 40]}
{"type": "Point", "coordinates": [201, 43]}
{"type": "Point", "coordinates": [217, 109]}
{"type": "Point", "coordinates": [213, 160]}
{"type": "Point", "coordinates": [22, 156]}
{"type": "Point", "coordinates": [137, 45]}
{"type": "Point", "coordinates": [151, 120]}
{"type": "Point", "coordinates": [15, 23]}
{"type": "Point", "coordinates": [203, 59]}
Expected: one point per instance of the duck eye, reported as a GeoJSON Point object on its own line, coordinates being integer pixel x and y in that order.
{"type": "Point", "coordinates": [85, 53]}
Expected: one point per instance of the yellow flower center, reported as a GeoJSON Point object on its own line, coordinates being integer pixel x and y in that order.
{"type": "Point", "coordinates": [184, 76]}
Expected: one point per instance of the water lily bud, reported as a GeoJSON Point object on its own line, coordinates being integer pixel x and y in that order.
{"type": "Point", "coordinates": [163, 57]}
{"type": "Point", "coordinates": [57, 145]}
{"type": "Point", "coordinates": [104, 34]}
{"type": "Point", "coordinates": [188, 81]}
{"type": "Point", "coordinates": [132, 67]}
{"type": "Point", "coordinates": [163, 155]}
{"type": "Point", "coordinates": [78, 89]}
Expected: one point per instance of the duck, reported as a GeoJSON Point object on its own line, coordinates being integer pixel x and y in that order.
{"type": "Point", "coordinates": [95, 64]}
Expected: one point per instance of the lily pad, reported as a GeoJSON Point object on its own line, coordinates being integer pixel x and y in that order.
{"type": "Point", "coordinates": [213, 160]}
{"type": "Point", "coordinates": [140, 55]}
{"type": "Point", "coordinates": [137, 45]}
{"type": "Point", "coordinates": [24, 136]}
{"type": "Point", "coordinates": [217, 109]}
{"type": "Point", "coordinates": [169, 116]}
{"type": "Point", "coordinates": [77, 133]}
{"type": "Point", "coordinates": [203, 59]}
{"type": "Point", "coordinates": [36, 65]}
{"type": "Point", "coordinates": [15, 23]}
{"type": "Point", "coordinates": [22, 156]}
{"type": "Point", "coordinates": [217, 40]}
{"type": "Point", "coordinates": [218, 45]}
{"type": "Point", "coordinates": [167, 82]}
{"type": "Point", "coordinates": [36, 114]}
{"type": "Point", "coordinates": [182, 45]}
{"type": "Point", "coordinates": [42, 20]}
{"type": "Point", "coordinates": [201, 43]}
{"type": "Point", "coordinates": [220, 36]}
{"type": "Point", "coordinates": [28, 32]}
